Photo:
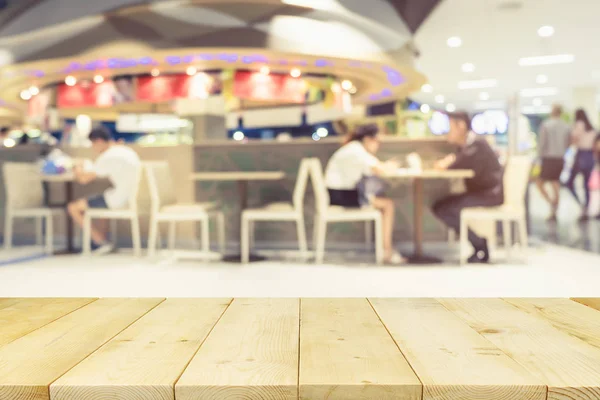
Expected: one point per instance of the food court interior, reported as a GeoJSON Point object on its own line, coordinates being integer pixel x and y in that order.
{"type": "Point", "coordinates": [235, 108]}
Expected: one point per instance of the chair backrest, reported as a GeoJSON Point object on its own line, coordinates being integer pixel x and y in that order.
{"type": "Point", "coordinates": [160, 184]}
{"type": "Point", "coordinates": [23, 185]}
{"type": "Point", "coordinates": [135, 189]}
{"type": "Point", "coordinates": [516, 180]}
{"type": "Point", "coordinates": [301, 182]}
{"type": "Point", "coordinates": [319, 186]}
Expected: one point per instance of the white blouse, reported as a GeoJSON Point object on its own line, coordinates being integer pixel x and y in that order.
{"type": "Point", "coordinates": [348, 165]}
{"type": "Point", "coordinates": [582, 139]}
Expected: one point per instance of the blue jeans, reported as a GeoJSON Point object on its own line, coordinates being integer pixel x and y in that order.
{"type": "Point", "coordinates": [584, 164]}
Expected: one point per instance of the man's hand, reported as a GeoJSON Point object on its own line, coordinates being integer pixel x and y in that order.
{"type": "Point", "coordinates": [445, 162]}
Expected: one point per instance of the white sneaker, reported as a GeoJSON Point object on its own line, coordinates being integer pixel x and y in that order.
{"type": "Point", "coordinates": [396, 259]}
{"type": "Point", "coordinates": [106, 248]}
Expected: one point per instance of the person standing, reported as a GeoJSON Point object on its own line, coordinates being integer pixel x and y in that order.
{"type": "Point", "coordinates": [120, 165]}
{"type": "Point", "coordinates": [554, 140]}
{"type": "Point", "coordinates": [485, 189]}
{"type": "Point", "coordinates": [582, 137]}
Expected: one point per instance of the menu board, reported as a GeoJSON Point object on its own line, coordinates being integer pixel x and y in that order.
{"type": "Point", "coordinates": [170, 87]}
{"type": "Point", "coordinates": [271, 87]}
{"type": "Point", "coordinates": [87, 94]}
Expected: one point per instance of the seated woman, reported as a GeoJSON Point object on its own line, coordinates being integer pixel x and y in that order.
{"type": "Point", "coordinates": [345, 171]}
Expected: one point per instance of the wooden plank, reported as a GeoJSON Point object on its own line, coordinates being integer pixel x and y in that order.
{"type": "Point", "coordinates": [568, 366]}
{"type": "Point", "coordinates": [568, 316]}
{"type": "Point", "coordinates": [19, 317]}
{"type": "Point", "coordinates": [346, 353]}
{"type": "Point", "coordinates": [145, 360]}
{"type": "Point", "coordinates": [590, 302]}
{"type": "Point", "coordinates": [452, 360]}
{"type": "Point", "coordinates": [29, 364]}
{"type": "Point", "coordinates": [252, 353]}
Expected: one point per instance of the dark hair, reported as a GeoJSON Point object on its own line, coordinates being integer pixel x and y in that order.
{"type": "Point", "coordinates": [363, 131]}
{"type": "Point", "coordinates": [581, 116]}
{"type": "Point", "coordinates": [4, 130]}
{"type": "Point", "coordinates": [123, 78]}
{"type": "Point", "coordinates": [100, 133]}
{"type": "Point", "coordinates": [461, 116]}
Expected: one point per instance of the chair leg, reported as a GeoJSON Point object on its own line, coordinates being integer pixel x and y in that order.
{"type": "Point", "coordinates": [302, 242]}
{"type": "Point", "coordinates": [87, 235]}
{"type": "Point", "coordinates": [523, 236]}
{"type": "Point", "coordinates": [136, 237]}
{"type": "Point", "coordinates": [152, 237]}
{"type": "Point", "coordinates": [39, 230]}
{"type": "Point", "coordinates": [464, 240]}
{"type": "Point", "coordinates": [49, 235]}
{"type": "Point", "coordinates": [113, 232]}
{"type": "Point", "coordinates": [506, 231]}
{"type": "Point", "coordinates": [369, 235]}
{"type": "Point", "coordinates": [205, 235]}
{"type": "Point", "coordinates": [8, 231]}
{"type": "Point", "coordinates": [315, 235]}
{"type": "Point", "coordinates": [321, 225]}
{"type": "Point", "coordinates": [251, 233]}
{"type": "Point", "coordinates": [379, 241]}
{"type": "Point", "coordinates": [221, 231]}
{"type": "Point", "coordinates": [451, 236]}
{"type": "Point", "coordinates": [172, 233]}
{"type": "Point", "coordinates": [245, 240]}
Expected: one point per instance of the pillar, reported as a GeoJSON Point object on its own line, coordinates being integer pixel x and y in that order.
{"type": "Point", "coordinates": [207, 115]}
{"type": "Point", "coordinates": [586, 97]}
{"type": "Point", "coordinates": [514, 116]}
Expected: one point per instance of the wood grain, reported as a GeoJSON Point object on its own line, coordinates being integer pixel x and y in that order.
{"type": "Point", "coordinates": [29, 364]}
{"type": "Point", "coordinates": [568, 366]}
{"type": "Point", "coordinates": [590, 302]}
{"type": "Point", "coordinates": [452, 360]}
{"type": "Point", "coordinates": [346, 353]}
{"type": "Point", "coordinates": [145, 360]}
{"type": "Point", "coordinates": [568, 316]}
{"type": "Point", "coordinates": [18, 317]}
{"type": "Point", "coordinates": [252, 353]}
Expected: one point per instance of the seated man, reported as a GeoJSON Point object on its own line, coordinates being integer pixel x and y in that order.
{"type": "Point", "coordinates": [120, 165]}
{"type": "Point", "coordinates": [485, 189]}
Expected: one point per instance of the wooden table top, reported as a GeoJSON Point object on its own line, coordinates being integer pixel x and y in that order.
{"type": "Point", "coordinates": [239, 176]}
{"type": "Point", "coordinates": [431, 174]}
{"type": "Point", "coordinates": [346, 349]}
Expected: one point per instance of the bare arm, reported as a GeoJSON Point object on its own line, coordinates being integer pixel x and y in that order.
{"type": "Point", "coordinates": [83, 177]}
{"type": "Point", "coordinates": [384, 168]}
{"type": "Point", "coordinates": [445, 163]}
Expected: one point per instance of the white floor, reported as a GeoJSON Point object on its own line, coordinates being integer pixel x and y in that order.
{"type": "Point", "coordinates": [548, 271]}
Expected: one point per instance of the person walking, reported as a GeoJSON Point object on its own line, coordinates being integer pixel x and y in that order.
{"type": "Point", "coordinates": [554, 140]}
{"type": "Point", "coordinates": [582, 137]}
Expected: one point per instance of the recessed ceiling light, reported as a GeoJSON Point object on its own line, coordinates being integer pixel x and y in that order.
{"type": "Point", "coordinates": [34, 90]}
{"type": "Point", "coordinates": [439, 99]}
{"type": "Point", "coordinates": [454, 41]}
{"type": "Point", "coordinates": [98, 79]}
{"type": "Point", "coordinates": [537, 102]}
{"type": "Point", "coordinates": [25, 95]}
{"type": "Point", "coordinates": [450, 107]}
{"type": "Point", "coordinates": [191, 71]}
{"type": "Point", "coordinates": [485, 96]}
{"type": "Point", "coordinates": [539, 92]}
{"type": "Point", "coordinates": [238, 135]}
{"type": "Point", "coordinates": [70, 80]}
{"type": "Point", "coordinates": [541, 79]}
{"type": "Point", "coordinates": [346, 85]}
{"type": "Point", "coordinates": [427, 88]}
{"type": "Point", "coordinates": [468, 67]}
{"type": "Point", "coordinates": [546, 31]}
{"type": "Point", "coordinates": [155, 72]}
{"type": "Point", "coordinates": [295, 73]}
{"type": "Point", "coordinates": [481, 84]}
{"type": "Point", "coordinates": [425, 109]}
{"type": "Point", "coordinates": [353, 90]}
{"type": "Point", "coordinates": [547, 60]}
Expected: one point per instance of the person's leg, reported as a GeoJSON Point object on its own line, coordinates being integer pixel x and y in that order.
{"type": "Point", "coordinates": [556, 200]}
{"type": "Point", "coordinates": [388, 213]}
{"type": "Point", "coordinates": [77, 210]}
{"type": "Point", "coordinates": [575, 171]}
{"type": "Point", "coordinates": [587, 167]}
{"type": "Point", "coordinates": [541, 184]}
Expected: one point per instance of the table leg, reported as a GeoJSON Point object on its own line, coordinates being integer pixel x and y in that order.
{"type": "Point", "coordinates": [243, 193]}
{"type": "Point", "coordinates": [69, 196]}
{"type": "Point", "coordinates": [418, 257]}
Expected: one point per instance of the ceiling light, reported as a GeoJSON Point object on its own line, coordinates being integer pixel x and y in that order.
{"type": "Point", "coordinates": [425, 109]}
{"type": "Point", "coordinates": [191, 71]}
{"type": "Point", "coordinates": [346, 85]}
{"type": "Point", "coordinates": [485, 96]}
{"type": "Point", "coordinates": [539, 92]}
{"type": "Point", "coordinates": [295, 73]}
{"type": "Point", "coordinates": [537, 102]}
{"type": "Point", "coordinates": [322, 132]}
{"type": "Point", "coordinates": [450, 107]}
{"type": "Point", "coordinates": [25, 95]}
{"type": "Point", "coordinates": [316, 137]}
{"type": "Point", "coordinates": [468, 67]}
{"type": "Point", "coordinates": [439, 99]}
{"type": "Point", "coordinates": [541, 79]}
{"type": "Point", "coordinates": [547, 60]}
{"type": "Point", "coordinates": [34, 90]}
{"type": "Point", "coordinates": [427, 88]}
{"type": "Point", "coordinates": [546, 31]}
{"type": "Point", "coordinates": [98, 79]}
{"type": "Point", "coordinates": [238, 135]}
{"type": "Point", "coordinates": [481, 84]}
{"type": "Point", "coordinates": [70, 80]}
{"type": "Point", "coordinates": [9, 142]}
{"type": "Point", "coordinates": [265, 70]}
{"type": "Point", "coordinates": [155, 72]}
{"type": "Point", "coordinates": [353, 90]}
{"type": "Point", "coordinates": [532, 110]}
{"type": "Point", "coordinates": [454, 41]}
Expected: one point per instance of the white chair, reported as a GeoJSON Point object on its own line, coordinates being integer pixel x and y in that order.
{"type": "Point", "coordinates": [291, 212]}
{"type": "Point", "coordinates": [25, 199]}
{"type": "Point", "coordinates": [164, 208]}
{"type": "Point", "coordinates": [325, 214]}
{"type": "Point", "coordinates": [129, 213]}
{"type": "Point", "coordinates": [516, 180]}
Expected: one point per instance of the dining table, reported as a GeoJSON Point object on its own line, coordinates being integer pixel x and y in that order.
{"type": "Point", "coordinates": [68, 180]}
{"type": "Point", "coordinates": [243, 178]}
{"type": "Point", "coordinates": [418, 177]}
